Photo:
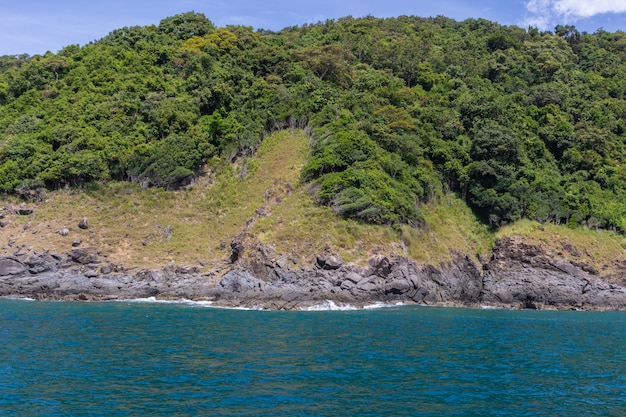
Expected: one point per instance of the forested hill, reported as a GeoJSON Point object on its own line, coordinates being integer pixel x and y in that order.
{"type": "Point", "coordinates": [520, 123]}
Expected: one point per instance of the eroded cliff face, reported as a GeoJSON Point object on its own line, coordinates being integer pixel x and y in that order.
{"type": "Point", "coordinates": [519, 275]}
{"type": "Point", "coordinates": [524, 274]}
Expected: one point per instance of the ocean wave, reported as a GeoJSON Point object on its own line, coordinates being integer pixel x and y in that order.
{"type": "Point", "coordinates": [17, 298]}
{"type": "Point", "coordinates": [488, 307]}
{"type": "Point", "coordinates": [330, 305]}
{"type": "Point", "coordinates": [380, 304]}
{"type": "Point", "coordinates": [192, 303]}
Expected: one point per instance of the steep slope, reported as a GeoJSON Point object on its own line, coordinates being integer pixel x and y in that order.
{"type": "Point", "coordinates": [259, 198]}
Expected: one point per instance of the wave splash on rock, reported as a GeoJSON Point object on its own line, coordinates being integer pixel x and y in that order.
{"type": "Point", "coordinates": [519, 275]}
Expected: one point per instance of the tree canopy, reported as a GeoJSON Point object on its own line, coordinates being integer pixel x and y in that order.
{"type": "Point", "coordinates": [519, 122]}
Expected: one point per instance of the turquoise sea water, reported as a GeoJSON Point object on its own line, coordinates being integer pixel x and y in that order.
{"type": "Point", "coordinates": [142, 359]}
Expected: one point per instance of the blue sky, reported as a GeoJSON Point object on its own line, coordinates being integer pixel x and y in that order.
{"type": "Point", "coordinates": [37, 26]}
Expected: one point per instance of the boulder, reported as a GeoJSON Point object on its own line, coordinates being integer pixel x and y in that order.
{"type": "Point", "coordinates": [381, 266]}
{"type": "Point", "coordinates": [38, 264]}
{"type": "Point", "coordinates": [91, 273]}
{"type": "Point", "coordinates": [83, 223]}
{"type": "Point", "coordinates": [398, 286]}
{"type": "Point", "coordinates": [11, 266]}
{"type": "Point", "coordinates": [82, 256]}
{"type": "Point", "coordinates": [240, 280]}
{"type": "Point", "coordinates": [328, 263]}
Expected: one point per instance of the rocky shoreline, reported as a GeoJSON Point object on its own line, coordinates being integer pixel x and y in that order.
{"type": "Point", "coordinates": [518, 275]}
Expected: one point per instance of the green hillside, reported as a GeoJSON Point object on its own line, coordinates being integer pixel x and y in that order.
{"type": "Point", "coordinates": [401, 115]}
{"type": "Point", "coordinates": [260, 198]}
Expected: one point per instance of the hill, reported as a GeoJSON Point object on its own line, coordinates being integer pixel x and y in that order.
{"type": "Point", "coordinates": [249, 234]}
{"type": "Point", "coordinates": [426, 138]}
{"type": "Point", "coordinates": [519, 123]}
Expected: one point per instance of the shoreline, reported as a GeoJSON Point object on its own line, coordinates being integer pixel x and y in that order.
{"type": "Point", "coordinates": [326, 305]}
{"type": "Point", "coordinates": [518, 276]}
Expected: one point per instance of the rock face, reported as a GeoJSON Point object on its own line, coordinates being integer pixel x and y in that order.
{"type": "Point", "coordinates": [80, 276]}
{"type": "Point", "coordinates": [522, 274]}
{"type": "Point", "coordinates": [394, 279]}
{"type": "Point", "coordinates": [11, 266]}
{"type": "Point", "coordinates": [519, 275]}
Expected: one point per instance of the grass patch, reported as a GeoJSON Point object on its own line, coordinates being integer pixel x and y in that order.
{"type": "Point", "coordinates": [128, 223]}
{"type": "Point", "coordinates": [194, 226]}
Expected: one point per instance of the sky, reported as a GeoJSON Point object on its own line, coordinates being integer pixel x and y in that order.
{"type": "Point", "coordinates": [37, 26]}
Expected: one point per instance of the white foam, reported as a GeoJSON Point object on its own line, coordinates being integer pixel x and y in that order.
{"type": "Point", "coordinates": [329, 305]}
{"type": "Point", "coordinates": [205, 304]}
{"type": "Point", "coordinates": [380, 304]}
{"type": "Point", "coordinates": [18, 298]}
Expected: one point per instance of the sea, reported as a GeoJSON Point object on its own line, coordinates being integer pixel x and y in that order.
{"type": "Point", "coordinates": [191, 359]}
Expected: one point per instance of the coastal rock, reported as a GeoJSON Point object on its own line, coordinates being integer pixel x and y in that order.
{"type": "Point", "coordinates": [82, 256]}
{"type": "Point", "coordinates": [38, 264]}
{"type": "Point", "coordinates": [519, 275]}
{"type": "Point", "coordinates": [91, 273]}
{"type": "Point", "coordinates": [239, 280]}
{"type": "Point", "coordinates": [11, 266]}
{"type": "Point", "coordinates": [329, 263]}
{"type": "Point", "coordinates": [380, 266]}
{"type": "Point", "coordinates": [523, 275]}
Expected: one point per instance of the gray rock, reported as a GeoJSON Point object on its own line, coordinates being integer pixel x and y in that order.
{"type": "Point", "coordinates": [329, 263]}
{"type": "Point", "coordinates": [239, 280]}
{"type": "Point", "coordinates": [237, 247]}
{"type": "Point", "coordinates": [82, 256]}
{"type": "Point", "coordinates": [522, 275]}
{"type": "Point", "coordinates": [519, 276]}
{"type": "Point", "coordinates": [398, 286]}
{"type": "Point", "coordinates": [11, 266]}
{"type": "Point", "coordinates": [38, 264]}
{"type": "Point", "coordinates": [91, 273]}
{"type": "Point", "coordinates": [283, 262]}
{"type": "Point", "coordinates": [380, 266]}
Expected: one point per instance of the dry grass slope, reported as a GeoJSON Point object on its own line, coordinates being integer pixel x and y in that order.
{"type": "Point", "coordinates": [262, 196]}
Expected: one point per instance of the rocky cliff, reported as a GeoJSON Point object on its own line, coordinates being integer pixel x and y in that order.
{"type": "Point", "coordinates": [518, 275]}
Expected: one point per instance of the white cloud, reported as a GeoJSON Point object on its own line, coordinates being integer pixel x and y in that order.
{"type": "Point", "coordinates": [588, 8]}
{"type": "Point", "coordinates": [574, 8]}
{"type": "Point", "coordinates": [543, 12]}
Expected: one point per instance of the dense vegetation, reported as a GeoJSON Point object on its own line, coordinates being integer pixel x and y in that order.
{"type": "Point", "coordinates": [520, 123]}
